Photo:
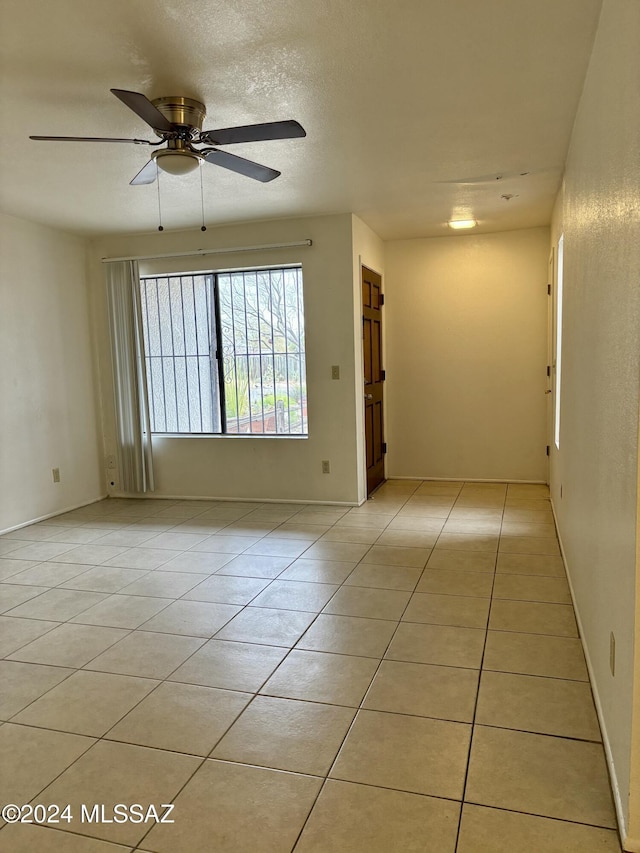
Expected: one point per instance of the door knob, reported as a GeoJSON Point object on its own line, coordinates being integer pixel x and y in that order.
{"type": "Point", "coordinates": [368, 396]}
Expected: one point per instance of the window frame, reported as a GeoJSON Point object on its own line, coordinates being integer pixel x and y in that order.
{"type": "Point", "coordinates": [216, 354]}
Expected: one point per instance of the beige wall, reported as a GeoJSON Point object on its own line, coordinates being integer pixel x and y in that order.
{"type": "Point", "coordinates": [368, 251]}
{"type": "Point", "coordinates": [47, 390]}
{"type": "Point", "coordinates": [280, 469]}
{"type": "Point", "coordinates": [597, 464]}
{"type": "Point", "coordinates": [466, 334]}
{"type": "Point", "coordinates": [634, 782]}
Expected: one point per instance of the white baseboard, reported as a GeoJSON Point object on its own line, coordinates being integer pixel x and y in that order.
{"type": "Point", "coordinates": [466, 480]}
{"type": "Point", "coordinates": [613, 777]}
{"type": "Point", "coordinates": [156, 497]}
{"type": "Point", "coordinates": [51, 515]}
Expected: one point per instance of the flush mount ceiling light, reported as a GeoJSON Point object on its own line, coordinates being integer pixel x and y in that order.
{"type": "Point", "coordinates": [458, 224]}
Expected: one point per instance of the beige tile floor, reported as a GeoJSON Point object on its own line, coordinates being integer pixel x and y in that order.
{"type": "Point", "coordinates": [402, 676]}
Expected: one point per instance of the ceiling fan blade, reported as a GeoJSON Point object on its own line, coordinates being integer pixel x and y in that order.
{"type": "Point", "coordinates": [146, 175]}
{"type": "Point", "coordinates": [254, 133]}
{"type": "Point", "coordinates": [90, 139]}
{"type": "Point", "coordinates": [240, 165]}
{"type": "Point", "coordinates": [142, 106]}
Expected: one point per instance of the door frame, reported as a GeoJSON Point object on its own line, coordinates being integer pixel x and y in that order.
{"type": "Point", "coordinates": [555, 479]}
{"type": "Point", "coordinates": [551, 367]}
{"type": "Point", "coordinates": [361, 386]}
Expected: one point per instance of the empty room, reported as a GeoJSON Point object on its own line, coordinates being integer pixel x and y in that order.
{"type": "Point", "coordinates": [320, 418]}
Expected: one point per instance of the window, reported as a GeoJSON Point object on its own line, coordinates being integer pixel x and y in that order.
{"type": "Point", "coordinates": [225, 352]}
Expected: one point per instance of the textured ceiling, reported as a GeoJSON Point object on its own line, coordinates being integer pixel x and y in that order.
{"type": "Point", "coordinates": [401, 99]}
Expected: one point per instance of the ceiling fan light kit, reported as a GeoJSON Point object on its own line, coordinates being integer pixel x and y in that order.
{"type": "Point", "coordinates": [178, 123]}
{"type": "Point", "coordinates": [176, 161]}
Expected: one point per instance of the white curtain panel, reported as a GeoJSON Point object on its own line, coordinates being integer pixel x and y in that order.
{"type": "Point", "coordinates": [133, 431]}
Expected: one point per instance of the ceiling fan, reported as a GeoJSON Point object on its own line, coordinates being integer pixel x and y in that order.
{"type": "Point", "coordinates": [178, 122]}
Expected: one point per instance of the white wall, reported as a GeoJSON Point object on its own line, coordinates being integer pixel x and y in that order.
{"type": "Point", "coordinates": [597, 464]}
{"type": "Point", "coordinates": [278, 468]}
{"type": "Point", "coordinates": [634, 782]}
{"type": "Point", "coordinates": [466, 356]}
{"type": "Point", "coordinates": [47, 392]}
{"type": "Point", "coordinates": [368, 251]}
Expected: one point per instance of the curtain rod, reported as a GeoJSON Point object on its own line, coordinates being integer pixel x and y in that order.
{"type": "Point", "coordinates": [307, 242]}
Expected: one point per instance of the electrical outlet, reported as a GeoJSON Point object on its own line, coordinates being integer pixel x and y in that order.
{"type": "Point", "coordinates": [612, 653]}
{"type": "Point", "coordinates": [335, 371]}
{"type": "Point", "coordinates": [56, 475]}
{"type": "Point", "coordinates": [326, 466]}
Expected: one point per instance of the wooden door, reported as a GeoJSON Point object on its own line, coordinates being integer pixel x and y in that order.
{"type": "Point", "coordinates": [372, 301]}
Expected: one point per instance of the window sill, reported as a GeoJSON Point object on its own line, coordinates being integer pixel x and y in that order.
{"type": "Point", "coordinates": [233, 436]}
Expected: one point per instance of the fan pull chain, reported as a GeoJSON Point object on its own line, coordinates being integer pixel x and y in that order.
{"type": "Point", "coordinates": [160, 226]}
{"type": "Point", "coordinates": [204, 227]}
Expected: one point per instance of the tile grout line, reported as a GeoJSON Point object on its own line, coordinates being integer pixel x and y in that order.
{"type": "Point", "coordinates": [477, 697]}
{"type": "Point", "coordinates": [256, 694]}
{"type": "Point", "coordinates": [97, 740]}
{"type": "Point", "coordinates": [355, 717]}
{"type": "Point", "coordinates": [291, 648]}
{"type": "Point", "coordinates": [360, 708]}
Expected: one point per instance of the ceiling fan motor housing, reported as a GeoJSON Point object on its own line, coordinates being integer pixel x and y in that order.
{"type": "Point", "coordinates": [187, 116]}
{"type": "Point", "coordinates": [186, 113]}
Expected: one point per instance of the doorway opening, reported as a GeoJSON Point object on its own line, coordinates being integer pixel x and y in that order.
{"type": "Point", "coordinates": [372, 302]}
